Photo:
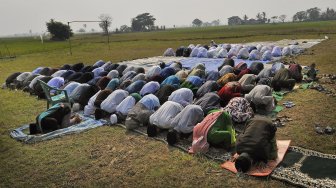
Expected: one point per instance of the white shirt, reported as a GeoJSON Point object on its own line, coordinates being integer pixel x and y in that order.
{"type": "Point", "coordinates": [113, 100]}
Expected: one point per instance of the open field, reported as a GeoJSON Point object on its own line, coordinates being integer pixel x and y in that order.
{"type": "Point", "coordinates": [106, 156]}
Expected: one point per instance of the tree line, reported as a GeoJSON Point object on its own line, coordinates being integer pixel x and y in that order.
{"type": "Point", "coordinates": [142, 22]}
{"type": "Point", "coordinates": [146, 22]}
{"type": "Point", "coordinates": [312, 14]}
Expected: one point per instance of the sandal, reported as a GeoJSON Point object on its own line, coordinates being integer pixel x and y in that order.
{"type": "Point", "coordinates": [329, 130]}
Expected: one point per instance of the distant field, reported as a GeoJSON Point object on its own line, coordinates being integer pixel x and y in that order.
{"type": "Point", "coordinates": [177, 37]}
{"type": "Point", "coordinates": [107, 156]}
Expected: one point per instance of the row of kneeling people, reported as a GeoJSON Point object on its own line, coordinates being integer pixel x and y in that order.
{"type": "Point", "coordinates": [172, 82]}
{"type": "Point", "coordinates": [168, 97]}
{"type": "Point", "coordinates": [257, 143]}
{"type": "Point", "coordinates": [235, 51]}
{"type": "Point", "coordinates": [104, 75]}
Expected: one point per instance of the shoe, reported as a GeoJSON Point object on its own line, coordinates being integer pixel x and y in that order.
{"type": "Point", "coordinates": [329, 130]}
{"type": "Point", "coordinates": [319, 130]}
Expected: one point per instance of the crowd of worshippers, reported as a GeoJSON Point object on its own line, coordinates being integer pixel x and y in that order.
{"type": "Point", "coordinates": [193, 103]}
{"type": "Point", "coordinates": [234, 51]}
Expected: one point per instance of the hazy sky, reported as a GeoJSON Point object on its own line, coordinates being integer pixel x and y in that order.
{"type": "Point", "coordinates": [20, 16]}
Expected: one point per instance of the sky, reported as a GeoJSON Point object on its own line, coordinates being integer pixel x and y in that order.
{"type": "Point", "coordinates": [23, 16]}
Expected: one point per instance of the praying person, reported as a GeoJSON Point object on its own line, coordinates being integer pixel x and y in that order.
{"type": "Point", "coordinates": [257, 143]}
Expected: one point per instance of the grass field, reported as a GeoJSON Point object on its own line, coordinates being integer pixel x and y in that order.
{"type": "Point", "coordinates": [107, 156]}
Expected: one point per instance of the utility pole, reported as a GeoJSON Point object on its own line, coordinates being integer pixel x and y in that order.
{"type": "Point", "coordinates": [69, 39]}
{"type": "Point", "coordinates": [108, 36]}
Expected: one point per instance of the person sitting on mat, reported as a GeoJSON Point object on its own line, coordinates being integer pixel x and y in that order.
{"type": "Point", "coordinates": [257, 143]}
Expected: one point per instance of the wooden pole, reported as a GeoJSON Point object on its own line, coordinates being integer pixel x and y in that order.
{"type": "Point", "coordinates": [108, 36]}
{"type": "Point", "coordinates": [69, 39]}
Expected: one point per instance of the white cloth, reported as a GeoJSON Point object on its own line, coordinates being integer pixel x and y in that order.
{"type": "Point", "coordinates": [276, 52]}
{"type": "Point", "coordinates": [113, 119]}
{"type": "Point", "coordinates": [58, 73]}
{"type": "Point", "coordinates": [140, 76]}
{"type": "Point", "coordinates": [70, 87]}
{"type": "Point", "coordinates": [186, 120]}
{"type": "Point", "coordinates": [243, 54]}
{"type": "Point", "coordinates": [191, 46]}
{"type": "Point", "coordinates": [248, 81]}
{"type": "Point", "coordinates": [128, 69]}
{"type": "Point", "coordinates": [202, 52]}
{"type": "Point", "coordinates": [286, 51]}
{"type": "Point", "coordinates": [267, 56]}
{"type": "Point", "coordinates": [126, 105]}
{"type": "Point", "coordinates": [169, 52]}
{"type": "Point", "coordinates": [264, 49]}
{"type": "Point", "coordinates": [23, 76]}
{"type": "Point", "coordinates": [113, 74]}
{"type": "Point", "coordinates": [232, 52]}
{"type": "Point", "coordinates": [34, 81]}
{"type": "Point", "coordinates": [113, 100]}
{"type": "Point", "coordinates": [194, 52]}
{"type": "Point", "coordinates": [261, 95]}
{"type": "Point", "coordinates": [254, 55]}
{"type": "Point", "coordinates": [183, 96]}
{"type": "Point", "coordinates": [265, 73]}
{"type": "Point", "coordinates": [222, 53]}
{"type": "Point", "coordinates": [294, 49]}
{"type": "Point", "coordinates": [225, 69]}
{"type": "Point", "coordinates": [212, 53]}
{"type": "Point", "coordinates": [163, 117]}
{"type": "Point", "coordinates": [89, 109]}
{"type": "Point", "coordinates": [106, 64]}
{"type": "Point", "coordinates": [153, 71]}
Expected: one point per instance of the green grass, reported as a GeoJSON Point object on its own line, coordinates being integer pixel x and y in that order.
{"type": "Point", "coordinates": [108, 156]}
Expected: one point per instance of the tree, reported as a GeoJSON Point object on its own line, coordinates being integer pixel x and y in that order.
{"type": "Point", "coordinates": [313, 13]}
{"type": "Point", "coordinates": [264, 16]}
{"type": "Point", "coordinates": [245, 18]}
{"type": "Point", "coordinates": [197, 22]}
{"type": "Point", "coordinates": [300, 16]}
{"type": "Point", "coordinates": [235, 20]}
{"type": "Point", "coordinates": [274, 19]}
{"type": "Point", "coordinates": [125, 29]}
{"type": "Point", "coordinates": [106, 22]}
{"type": "Point", "coordinates": [215, 22]}
{"type": "Point", "coordinates": [143, 22]}
{"type": "Point", "coordinates": [206, 24]}
{"type": "Point", "coordinates": [329, 14]}
{"type": "Point", "coordinates": [81, 30]}
{"type": "Point", "coordinates": [259, 17]}
{"type": "Point", "coordinates": [58, 30]}
{"type": "Point", "coordinates": [282, 18]}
